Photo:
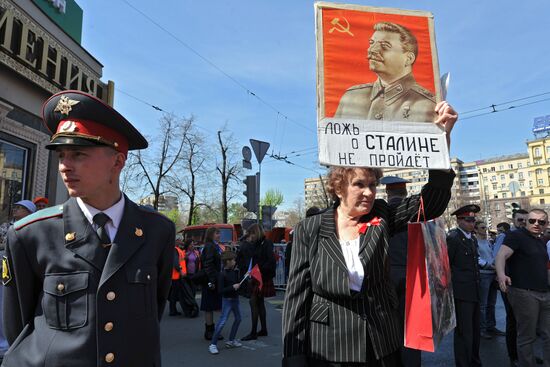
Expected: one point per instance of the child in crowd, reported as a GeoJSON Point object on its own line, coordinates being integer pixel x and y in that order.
{"type": "Point", "coordinates": [228, 284]}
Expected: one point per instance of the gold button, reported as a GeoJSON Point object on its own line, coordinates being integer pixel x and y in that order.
{"type": "Point", "coordinates": [61, 287]}
{"type": "Point", "coordinates": [109, 326]}
{"type": "Point", "coordinates": [111, 296]}
{"type": "Point", "coordinates": [109, 357]}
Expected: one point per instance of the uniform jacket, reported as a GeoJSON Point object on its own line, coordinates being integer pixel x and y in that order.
{"type": "Point", "coordinates": [404, 100]}
{"type": "Point", "coordinates": [71, 302]}
{"type": "Point", "coordinates": [322, 319]}
{"type": "Point", "coordinates": [463, 259]}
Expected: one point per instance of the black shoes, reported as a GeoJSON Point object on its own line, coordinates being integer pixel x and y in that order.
{"type": "Point", "coordinates": [250, 337]}
{"type": "Point", "coordinates": [262, 333]}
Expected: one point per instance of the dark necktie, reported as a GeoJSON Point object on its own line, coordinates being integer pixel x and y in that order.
{"type": "Point", "coordinates": [101, 219]}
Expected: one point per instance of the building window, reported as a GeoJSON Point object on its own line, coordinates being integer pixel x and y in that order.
{"type": "Point", "coordinates": [511, 175]}
{"type": "Point", "coordinates": [503, 177]}
{"type": "Point", "coordinates": [520, 175]}
{"type": "Point", "coordinates": [520, 165]}
{"type": "Point", "coordinates": [504, 195]}
{"type": "Point", "coordinates": [538, 171]}
{"type": "Point", "coordinates": [502, 185]}
{"type": "Point", "coordinates": [511, 166]}
{"type": "Point", "coordinates": [537, 152]}
{"type": "Point", "coordinates": [541, 191]}
{"type": "Point", "coordinates": [494, 186]}
{"type": "Point", "coordinates": [541, 201]}
{"type": "Point", "coordinates": [497, 206]}
{"type": "Point", "coordinates": [484, 170]}
{"type": "Point", "coordinates": [14, 160]}
{"type": "Point", "coordinates": [522, 193]}
{"type": "Point", "coordinates": [540, 182]}
{"type": "Point", "coordinates": [501, 167]}
{"type": "Point", "coordinates": [495, 197]}
{"type": "Point", "coordinates": [492, 169]}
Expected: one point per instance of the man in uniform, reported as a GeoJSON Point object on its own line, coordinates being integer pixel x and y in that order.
{"type": "Point", "coordinates": [395, 95]}
{"type": "Point", "coordinates": [86, 282]}
{"type": "Point", "coordinates": [463, 259]}
{"type": "Point", "coordinates": [396, 189]}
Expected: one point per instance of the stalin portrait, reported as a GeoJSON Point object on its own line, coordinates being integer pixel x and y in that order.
{"type": "Point", "coordinates": [395, 95]}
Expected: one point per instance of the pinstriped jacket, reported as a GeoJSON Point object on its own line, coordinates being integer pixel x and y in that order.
{"type": "Point", "coordinates": [322, 319]}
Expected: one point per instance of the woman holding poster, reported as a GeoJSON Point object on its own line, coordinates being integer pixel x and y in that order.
{"type": "Point", "coordinates": [340, 306]}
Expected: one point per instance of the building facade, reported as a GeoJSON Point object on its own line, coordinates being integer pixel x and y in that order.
{"type": "Point", "coordinates": [40, 54]}
{"type": "Point", "coordinates": [166, 203]}
{"type": "Point", "coordinates": [315, 192]}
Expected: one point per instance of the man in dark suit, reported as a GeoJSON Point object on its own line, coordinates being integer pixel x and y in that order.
{"type": "Point", "coordinates": [86, 282]}
{"type": "Point", "coordinates": [396, 189]}
{"type": "Point", "coordinates": [463, 259]}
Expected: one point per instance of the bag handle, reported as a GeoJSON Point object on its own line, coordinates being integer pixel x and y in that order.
{"type": "Point", "coordinates": [421, 210]}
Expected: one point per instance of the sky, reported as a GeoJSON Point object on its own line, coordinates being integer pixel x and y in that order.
{"type": "Point", "coordinates": [251, 65]}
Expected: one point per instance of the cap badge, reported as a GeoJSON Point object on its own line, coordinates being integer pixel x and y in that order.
{"type": "Point", "coordinates": [70, 236]}
{"type": "Point", "coordinates": [139, 232]}
{"type": "Point", "coordinates": [69, 127]}
{"type": "Point", "coordinates": [65, 105]}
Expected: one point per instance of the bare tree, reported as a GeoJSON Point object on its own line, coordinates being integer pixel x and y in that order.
{"type": "Point", "coordinates": [229, 168]}
{"type": "Point", "coordinates": [156, 165]}
{"type": "Point", "coordinates": [193, 165]}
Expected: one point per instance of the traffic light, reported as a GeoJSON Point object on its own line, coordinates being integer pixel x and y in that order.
{"type": "Point", "coordinates": [251, 203]}
{"type": "Point", "coordinates": [511, 208]}
{"type": "Point", "coordinates": [267, 216]}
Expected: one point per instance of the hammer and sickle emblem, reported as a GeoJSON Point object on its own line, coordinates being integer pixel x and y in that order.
{"type": "Point", "coordinates": [339, 27]}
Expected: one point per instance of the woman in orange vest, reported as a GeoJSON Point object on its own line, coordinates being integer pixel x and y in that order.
{"type": "Point", "coordinates": [178, 270]}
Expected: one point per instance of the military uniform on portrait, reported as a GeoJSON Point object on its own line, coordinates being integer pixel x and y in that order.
{"type": "Point", "coordinates": [403, 100]}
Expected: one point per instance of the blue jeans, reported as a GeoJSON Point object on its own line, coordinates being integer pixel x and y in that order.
{"type": "Point", "coordinates": [488, 299]}
{"type": "Point", "coordinates": [228, 305]}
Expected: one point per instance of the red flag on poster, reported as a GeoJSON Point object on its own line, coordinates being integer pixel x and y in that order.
{"type": "Point", "coordinates": [255, 273]}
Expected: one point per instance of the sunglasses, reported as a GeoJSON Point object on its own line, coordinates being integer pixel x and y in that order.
{"type": "Point", "coordinates": [468, 219]}
{"type": "Point", "coordinates": [539, 221]}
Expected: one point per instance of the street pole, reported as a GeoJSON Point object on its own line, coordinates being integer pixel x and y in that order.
{"type": "Point", "coordinates": [258, 192]}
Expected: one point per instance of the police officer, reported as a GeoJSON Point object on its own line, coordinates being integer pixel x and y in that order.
{"type": "Point", "coordinates": [396, 190]}
{"type": "Point", "coordinates": [395, 95]}
{"type": "Point", "coordinates": [463, 259]}
{"type": "Point", "coordinates": [86, 282]}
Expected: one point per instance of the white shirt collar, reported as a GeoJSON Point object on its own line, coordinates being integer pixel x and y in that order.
{"type": "Point", "coordinates": [114, 212]}
{"type": "Point", "coordinates": [468, 235]}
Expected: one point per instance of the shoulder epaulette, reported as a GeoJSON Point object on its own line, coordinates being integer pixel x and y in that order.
{"type": "Point", "coordinates": [424, 92]}
{"type": "Point", "coordinates": [54, 211]}
{"type": "Point", "coordinates": [361, 86]}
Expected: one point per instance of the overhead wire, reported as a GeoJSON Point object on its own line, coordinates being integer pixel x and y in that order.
{"type": "Point", "coordinates": [493, 107]}
{"type": "Point", "coordinates": [213, 65]}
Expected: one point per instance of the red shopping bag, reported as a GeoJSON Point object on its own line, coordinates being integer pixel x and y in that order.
{"type": "Point", "coordinates": [429, 302]}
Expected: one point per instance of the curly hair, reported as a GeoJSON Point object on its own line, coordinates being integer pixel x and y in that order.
{"type": "Point", "coordinates": [340, 177]}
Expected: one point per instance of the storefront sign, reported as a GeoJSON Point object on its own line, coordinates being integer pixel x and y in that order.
{"type": "Point", "coordinates": [29, 50]}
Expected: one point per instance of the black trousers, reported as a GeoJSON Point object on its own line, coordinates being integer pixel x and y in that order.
{"type": "Point", "coordinates": [511, 331]}
{"type": "Point", "coordinates": [466, 336]}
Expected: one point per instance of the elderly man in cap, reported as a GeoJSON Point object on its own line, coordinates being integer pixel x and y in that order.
{"type": "Point", "coordinates": [86, 282]}
{"type": "Point", "coordinates": [463, 259]}
{"type": "Point", "coordinates": [396, 190]}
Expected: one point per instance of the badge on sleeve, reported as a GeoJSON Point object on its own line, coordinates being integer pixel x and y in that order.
{"type": "Point", "coordinates": [6, 271]}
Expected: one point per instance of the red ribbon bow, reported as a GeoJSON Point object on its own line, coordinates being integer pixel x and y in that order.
{"type": "Point", "coordinates": [373, 222]}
